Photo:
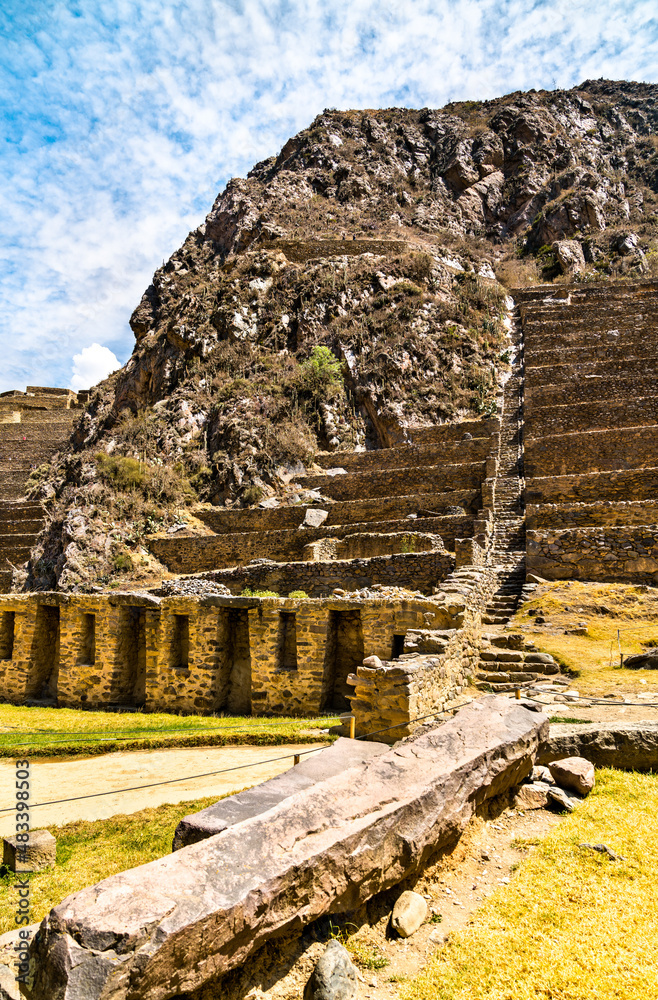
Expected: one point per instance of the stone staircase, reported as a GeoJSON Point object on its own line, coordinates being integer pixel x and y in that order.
{"type": "Point", "coordinates": [33, 426]}
{"type": "Point", "coordinates": [508, 662]}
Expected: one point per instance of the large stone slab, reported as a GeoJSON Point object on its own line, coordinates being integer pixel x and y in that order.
{"type": "Point", "coordinates": [227, 812]}
{"type": "Point", "coordinates": [630, 746]}
{"type": "Point", "coordinates": [173, 925]}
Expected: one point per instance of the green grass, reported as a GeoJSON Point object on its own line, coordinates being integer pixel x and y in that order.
{"type": "Point", "coordinates": [572, 925]}
{"type": "Point", "coordinates": [88, 851]}
{"type": "Point", "coordinates": [54, 732]}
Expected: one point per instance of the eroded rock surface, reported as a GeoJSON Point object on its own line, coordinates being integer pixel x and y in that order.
{"type": "Point", "coordinates": [175, 924]}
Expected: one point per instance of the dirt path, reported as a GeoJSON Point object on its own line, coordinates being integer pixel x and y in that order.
{"type": "Point", "coordinates": [63, 779]}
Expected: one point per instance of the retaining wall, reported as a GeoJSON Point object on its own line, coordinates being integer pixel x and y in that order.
{"type": "Point", "coordinates": [592, 451]}
{"type": "Point", "coordinates": [589, 515]}
{"type": "Point", "coordinates": [627, 554]}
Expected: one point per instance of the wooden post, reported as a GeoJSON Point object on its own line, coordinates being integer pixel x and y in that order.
{"type": "Point", "coordinates": [517, 694]}
{"type": "Point", "coordinates": [352, 727]}
{"type": "Point", "coordinates": [296, 759]}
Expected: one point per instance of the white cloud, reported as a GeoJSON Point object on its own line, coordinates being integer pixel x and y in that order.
{"type": "Point", "coordinates": [91, 365]}
{"type": "Point", "coordinates": [124, 118]}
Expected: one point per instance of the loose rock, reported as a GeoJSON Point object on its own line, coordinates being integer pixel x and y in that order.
{"type": "Point", "coordinates": [560, 797]}
{"type": "Point", "coordinates": [409, 912]}
{"type": "Point", "coordinates": [532, 796]}
{"type": "Point", "coordinates": [574, 773]}
{"type": "Point", "coordinates": [334, 977]}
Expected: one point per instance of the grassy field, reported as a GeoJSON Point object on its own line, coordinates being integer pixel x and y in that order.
{"type": "Point", "coordinates": [573, 924]}
{"type": "Point", "coordinates": [54, 732]}
{"type": "Point", "coordinates": [90, 851]}
{"type": "Point", "coordinates": [594, 658]}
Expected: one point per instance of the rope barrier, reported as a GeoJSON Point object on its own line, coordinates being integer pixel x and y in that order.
{"type": "Point", "coordinates": [297, 753]}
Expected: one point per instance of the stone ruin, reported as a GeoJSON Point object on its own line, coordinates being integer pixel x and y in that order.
{"type": "Point", "coordinates": [407, 554]}
{"type": "Point", "coordinates": [434, 539]}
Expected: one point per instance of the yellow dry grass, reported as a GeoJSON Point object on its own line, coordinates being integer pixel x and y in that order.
{"type": "Point", "coordinates": [573, 924]}
{"type": "Point", "coordinates": [606, 608]}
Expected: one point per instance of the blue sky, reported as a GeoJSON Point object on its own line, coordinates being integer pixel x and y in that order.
{"type": "Point", "coordinates": [122, 119]}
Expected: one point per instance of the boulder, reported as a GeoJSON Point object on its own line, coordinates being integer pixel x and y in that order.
{"type": "Point", "coordinates": [631, 746]}
{"type": "Point", "coordinates": [314, 517]}
{"type": "Point", "coordinates": [182, 922]}
{"type": "Point", "coordinates": [574, 773]}
{"type": "Point", "coordinates": [334, 977]}
{"type": "Point", "coordinates": [570, 256]}
{"type": "Point", "coordinates": [8, 984]}
{"type": "Point", "coordinates": [642, 661]}
{"type": "Point", "coordinates": [532, 796]}
{"type": "Point", "coordinates": [542, 773]}
{"type": "Point", "coordinates": [409, 912]}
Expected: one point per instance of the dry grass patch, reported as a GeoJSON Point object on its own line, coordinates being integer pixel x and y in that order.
{"type": "Point", "coordinates": [605, 608]}
{"type": "Point", "coordinates": [573, 924]}
{"type": "Point", "coordinates": [54, 732]}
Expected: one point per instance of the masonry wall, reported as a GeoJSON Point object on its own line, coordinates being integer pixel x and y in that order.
{"type": "Point", "coordinates": [592, 451]}
{"type": "Point", "coordinates": [195, 655]}
{"type": "Point", "coordinates": [626, 554]}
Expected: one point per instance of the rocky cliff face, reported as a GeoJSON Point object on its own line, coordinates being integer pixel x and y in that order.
{"type": "Point", "coordinates": [342, 293]}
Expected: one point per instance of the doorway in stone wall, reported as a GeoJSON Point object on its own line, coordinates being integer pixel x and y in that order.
{"type": "Point", "coordinates": [343, 654]}
{"type": "Point", "coordinates": [238, 699]}
{"type": "Point", "coordinates": [45, 655]}
{"type": "Point", "coordinates": [136, 622]}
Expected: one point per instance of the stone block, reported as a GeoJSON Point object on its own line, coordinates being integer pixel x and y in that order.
{"type": "Point", "coordinates": [34, 856]}
{"type": "Point", "coordinates": [178, 924]}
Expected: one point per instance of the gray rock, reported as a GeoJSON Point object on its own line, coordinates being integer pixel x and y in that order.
{"type": "Point", "coordinates": [183, 921]}
{"type": "Point", "coordinates": [409, 912]}
{"type": "Point", "coordinates": [560, 797]}
{"type": "Point", "coordinates": [570, 256]}
{"type": "Point", "coordinates": [541, 773]}
{"type": "Point", "coordinates": [334, 977]}
{"type": "Point", "coordinates": [628, 746]}
{"type": "Point", "coordinates": [642, 661]}
{"type": "Point", "coordinates": [8, 985]}
{"type": "Point", "coordinates": [574, 773]}
{"type": "Point", "coordinates": [532, 796]}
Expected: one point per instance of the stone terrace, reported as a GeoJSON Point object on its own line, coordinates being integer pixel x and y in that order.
{"type": "Point", "coordinates": [33, 426]}
{"type": "Point", "coordinates": [591, 430]}
{"type": "Point", "coordinates": [391, 516]}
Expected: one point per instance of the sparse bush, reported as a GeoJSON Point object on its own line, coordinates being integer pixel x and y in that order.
{"type": "Point", "coordinates": [321, 374]}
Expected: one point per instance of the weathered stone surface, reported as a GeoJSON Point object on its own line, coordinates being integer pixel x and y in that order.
{"type": "Point", "coordinates": [8, 985]}
{"type": "Point", "coordinates": [337, 758]}
{"type": "Point", "coordinates": [560, 797]}
{"type": "Point", "coordinates": [542, 773]}
{"type": "Point", "coordinates": [629, 747]}
{"type": "Point", "coordinates": [314, 517]}
{"type": "Point", "coordinates": [409, 912]}
{"type": "Point", "coordinates": [570, 256]}
{"type": "Point", "coordinates": [642, 661]}
{"type": "Point", "coordinates": [170, 926]}
{"type": "Point", "coordinates": [574, 773]}
{"type": "Point", "coordinates": [37, 854]}
{"type": "Point", "coordinates": [334, 977]}
{"type": "Point", "coordinates": [532, 796]}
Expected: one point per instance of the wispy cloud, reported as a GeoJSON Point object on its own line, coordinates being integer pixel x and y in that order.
{"type": "Point", "coordinates": [123, 119]}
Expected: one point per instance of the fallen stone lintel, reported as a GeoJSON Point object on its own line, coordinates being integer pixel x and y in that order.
{"type": "Point", "coordinates": [234, 809]}
{"type": "Point", "coordinates": [175, 924]}
{"type": "Point", "coordinates": [629, 746]}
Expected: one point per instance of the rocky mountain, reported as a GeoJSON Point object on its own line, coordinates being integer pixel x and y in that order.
{"type": "Point", "coordinates": [348, 289]}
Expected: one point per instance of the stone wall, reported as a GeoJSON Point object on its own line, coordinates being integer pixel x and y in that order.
{"type": "Point", "coordinates": [432, 678]}
{"type": "Point", "coordinates": [592, 451]}
{"type": "Point", "coordinates": [593, 415]}
{"type": "Point", "coordinates": [195, 655]}
{"type": "Point", "coordinates": [634, 484]}
{"type": "Point", "coordinates": [588, 515]}
{"type": "Point", "coordinates": [416, 571]}
{"type": "Point", "coordinates": [183, 553]}
{"type": "Point", "coordinates": [627, 554]}
{"type": "Point", "coordinates": [441, 453]}
{"type": "Point", "coordinates": [398, 482]}
{"type": "Point", "coordinates": [393, 508]}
